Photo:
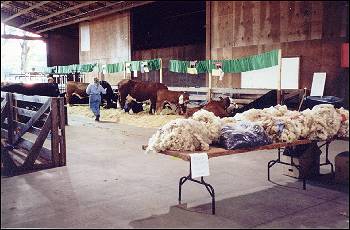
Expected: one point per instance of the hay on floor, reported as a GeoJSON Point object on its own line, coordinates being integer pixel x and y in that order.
{"type": "Point", "coordinates": [142, 119]}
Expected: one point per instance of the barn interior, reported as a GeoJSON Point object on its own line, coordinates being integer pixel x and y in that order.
{"type": "Point", "coordinates": [279, 63]}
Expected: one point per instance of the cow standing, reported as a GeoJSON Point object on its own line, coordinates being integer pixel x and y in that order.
{"type": "Point", "coordinates": [180, 99]}
{"type": "Point", "coordinates": [79, 89]}
{"type": "Point", "coordinates": [139, 90]}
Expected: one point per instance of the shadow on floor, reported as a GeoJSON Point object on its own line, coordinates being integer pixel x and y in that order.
{"type": "Point", "coordinates": [257, 209]}
{"type": "Point", "coordinates": [323, 181]}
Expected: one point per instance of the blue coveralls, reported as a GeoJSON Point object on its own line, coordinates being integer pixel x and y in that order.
{"type": "Point", "coordinates": [94, 90]}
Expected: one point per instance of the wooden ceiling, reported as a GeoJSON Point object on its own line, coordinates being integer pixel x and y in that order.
{"type": "Point", "coordinates": [42, 16]}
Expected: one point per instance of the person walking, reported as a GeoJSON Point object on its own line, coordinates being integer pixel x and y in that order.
{"type": "Point", "coordinates": [94, 91]}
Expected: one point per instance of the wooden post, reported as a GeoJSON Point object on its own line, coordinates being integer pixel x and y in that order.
{"type": "Point", "coordinates": [62, 132]}
{"type": "Point", "coordinates": [10, 123]}
{"type": "Point", "coordinates": [124, 70]}
{"type": "Point", "coordinates": [207, 35]}
{"type": "Point", "coordinates": [279, 76]}
{"type": "Point", "coordinates": [210, 86]}
{"type": "Point", "coordinates": [54, 133]}
{"type": "Point", "coordinates": [161, 71]}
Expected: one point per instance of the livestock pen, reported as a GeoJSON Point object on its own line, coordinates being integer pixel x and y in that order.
{"type": "Point", "coordinates": [40, 142]}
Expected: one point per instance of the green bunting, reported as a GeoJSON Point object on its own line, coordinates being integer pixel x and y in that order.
{"type": "Point", "coordinates": [254, 62]}
{"type": "Point", "coordinates": [153, 64]}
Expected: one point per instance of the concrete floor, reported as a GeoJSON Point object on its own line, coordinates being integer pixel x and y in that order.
{"type": "Point", "coordinates": [109, 182]}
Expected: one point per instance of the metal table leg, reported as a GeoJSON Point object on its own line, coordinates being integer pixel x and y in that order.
{"type": "Point", "coordinates": [327, 160]}
{"type": "Point", "coordinates": [207, 186]}
{"type": "Point", "coordinates": [278, 161]}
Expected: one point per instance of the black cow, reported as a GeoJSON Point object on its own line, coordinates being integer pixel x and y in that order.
{"type": "Point", "coordinates": [136, 107]}
{"type": "Point", "coordinates": [31, 89]}
{"type": "Point", "coordinates": [78, 89]}
{"type": "Point", "coordinates": [40, 89]}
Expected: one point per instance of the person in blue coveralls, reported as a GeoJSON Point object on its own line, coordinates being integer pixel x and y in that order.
{"type": "Point", "coordinates": [94, 91]}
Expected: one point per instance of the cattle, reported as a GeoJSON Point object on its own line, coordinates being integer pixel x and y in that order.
{"type": "Point", "coordinates": [180, 99]}
{"type": "Point", "coordinates": [267, 100]}
{"type": "Point", "coordinates": [219, 108]}
{"type": "Point", "coordinates": [132, 105]}
{"type": "Point", "coordinates": [31, 89]}
{"type": "Point", "coordinates": [41, 89]}
{"type": "Point", "coordinates": [139, 90]}
{"type": "Point", "coordinates": [79, 89]}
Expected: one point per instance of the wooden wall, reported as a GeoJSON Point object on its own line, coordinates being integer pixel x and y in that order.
{"type": "Point", "coordinates": [186, 52]}
{"type": "Point", "coordinates": [313, 30]}
{"type": "Point", "coordinates": [109, 43]}
{"type": "Point", "coordinates": [62, 49]}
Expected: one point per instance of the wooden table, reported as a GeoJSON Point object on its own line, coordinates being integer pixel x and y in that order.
{"type": "Point", "coordinates": [217, 152]}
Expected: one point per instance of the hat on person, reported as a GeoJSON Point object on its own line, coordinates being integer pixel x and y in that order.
{"type": "Point", "coordinates": [50, 79]}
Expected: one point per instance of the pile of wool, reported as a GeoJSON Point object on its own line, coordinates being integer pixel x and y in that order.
{"type": "Point", "coordinates": [344, 125]}
{"type": "Point", "coordinates": [180, 135]}
{"type": "Point", "coordinates": [324, 122]}
{"type": "Point", "coordinates": [192, 134]}
{"type": "Point", "coordinates": [228, 121]}
{"type": "Point", "coordinates": [276, 111]}
{"type": "Point", "coordinates": [279, 123]}
{"type": "Point", "coordinates": [211, 122]}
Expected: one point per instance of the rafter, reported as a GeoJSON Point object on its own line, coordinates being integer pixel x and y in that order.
{"type": "Point", "coordinates": [79, 15]}
{"type": "Point", "coordinates": [4, 3]}
{"type": "Point", "coordinates": [58, 13]}
{"type": "Point", "coordinates": [13, 36]}
{"type": "Point", "coordinates": [21, 12]}
{"type": "Point", "coordinates": [131, 5]}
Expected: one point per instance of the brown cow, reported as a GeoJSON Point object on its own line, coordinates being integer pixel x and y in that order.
{"type": "Point", "coordinates": [76, 88]}
{"type": "Point", "coordinates": [172, 97]}
{"type": "Point", "coordinates": [79, 89]}
{"type": "Point", "coordinates": [217, 107]}
{"type": "Point", "coordinates": [139, 90]}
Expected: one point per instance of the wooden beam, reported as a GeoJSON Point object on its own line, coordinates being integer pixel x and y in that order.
{"type": "Point", "coordinates": [38, 144]}
{"type": "Point", "coordinates": [10, 126]}
{"type": "Point", "coordinates": [12, 36]}
{"type": "Point", "coordinates": [58, 13]}
{"type": "Point", "coordinates": [62, 122]}
{"type": "Point", "coordinates": [96, 16]}
{"type": "Point", "coordinates": [279, 76]}
{"type": "Point", "coordinates": [77, 15]}
{"type": "Point", "coordinates": [4, 3]}
{"type": "Point", "coordinates": [161, 72]}
{"type": "Point", "coordinates": [207, 36]}
{"type": "Point", "coordinates": [32, 120]}
{"type": "Point", "coordinates": [25, 11]}
{"type": "Point", "coordinates": [55, 138]}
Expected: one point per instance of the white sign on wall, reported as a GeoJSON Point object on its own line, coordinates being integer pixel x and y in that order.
{"type": "Point", "coordinates": [267, 78]}
{"type": "Point", "coordinates": [85, 37]}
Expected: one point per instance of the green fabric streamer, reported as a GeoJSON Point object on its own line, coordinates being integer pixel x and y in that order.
{"type": "Point", "coordinates": [178, 66]}
{"type": "Point", "coordinates": [254, 62]}
{"type": "Point", "coordinates": [115, 68]}
{"type": "Point", "coordinates": [51, 69]}
{"type": "Point", "coordinates": [135, 66]}
{"type": "Point", "coordinates": [153, 64]}
{"type": "Point", "coordinates": [85, 68]}
{"type": "Point", "coordinates": [203, 66]}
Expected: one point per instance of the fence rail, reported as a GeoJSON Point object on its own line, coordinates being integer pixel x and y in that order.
{"type": "Point", "coordinates": [32, 138]}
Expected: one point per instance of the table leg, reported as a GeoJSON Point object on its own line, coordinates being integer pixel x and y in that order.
{"type": "Point", "coordinates": [208, 186]}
